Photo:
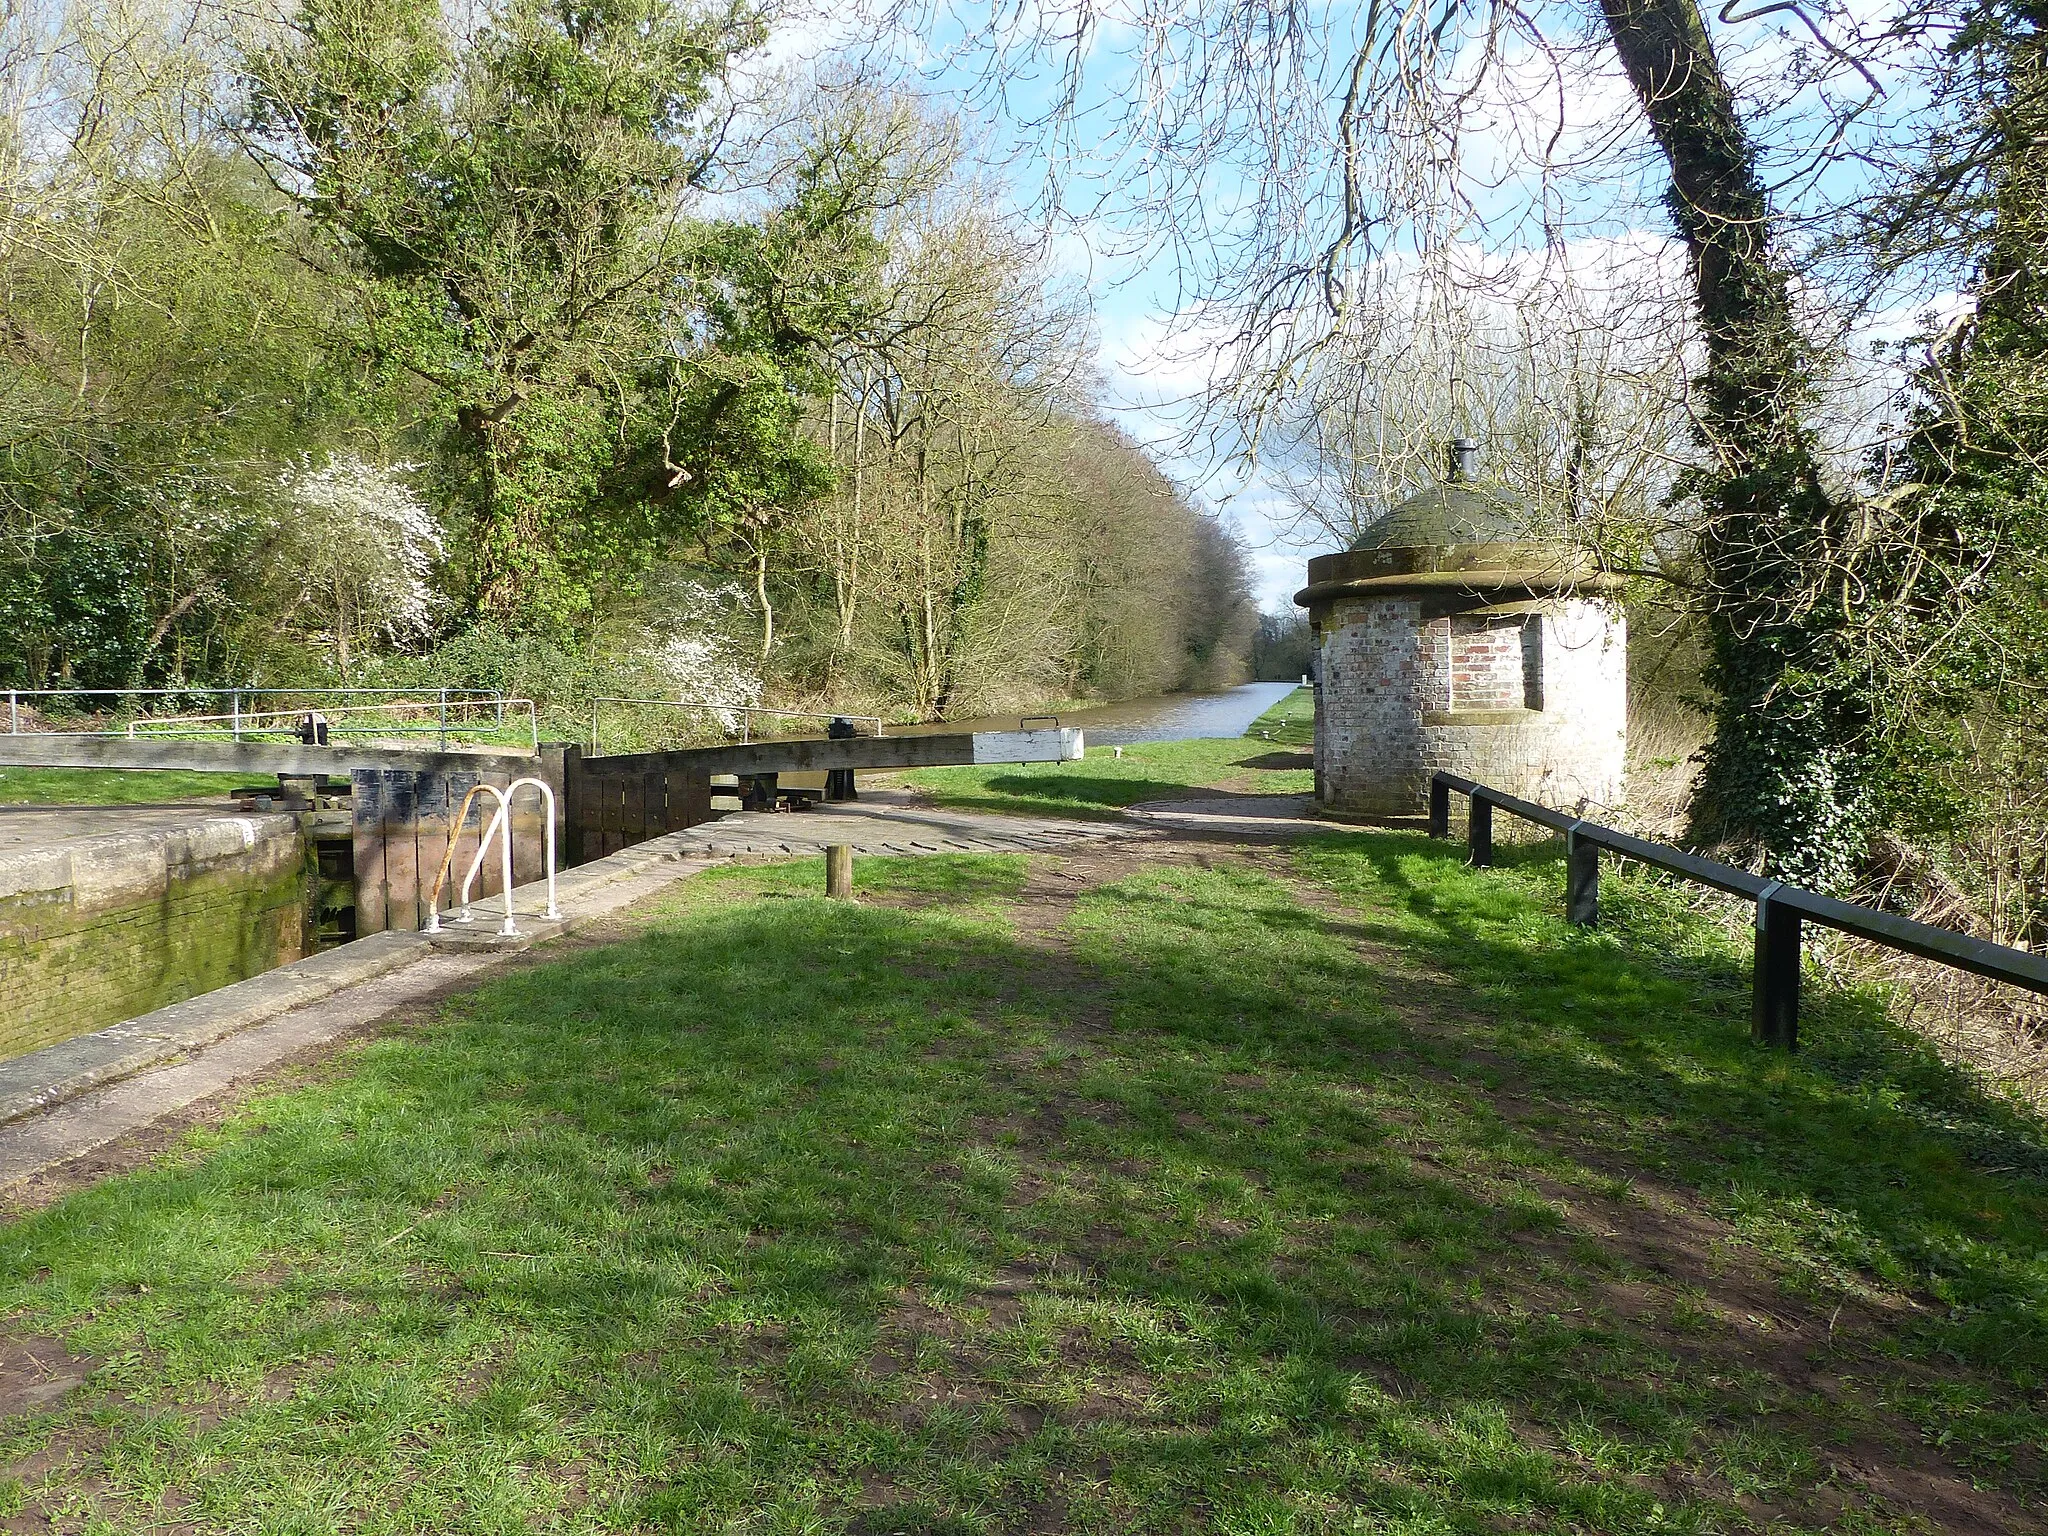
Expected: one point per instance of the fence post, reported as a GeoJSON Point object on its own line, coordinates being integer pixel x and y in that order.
{"type": "Point", "coordinates": [444, 719]}
{"type": "Point", "coordinates": [13, 713]}
{"type": "Point", "coordinates": [1774, 1017]}
{"type": "Point", "coordinates": [1479, 830]}
{"type": "Point", "coordinates": [839, 871]}
{"type": "Point", "coordinates": [1439, 808]}
{"type": "Point", "coordinates": [1581, 879]}
{"type": "Point", "coordinates": [236, 697]}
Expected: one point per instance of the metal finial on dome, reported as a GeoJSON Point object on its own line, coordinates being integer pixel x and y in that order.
{"type": "Point", "coordinates": [1461, 456]}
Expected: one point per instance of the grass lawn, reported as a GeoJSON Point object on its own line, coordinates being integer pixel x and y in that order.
{"type": "Point", "coordinates": [110, 786]}
{"type": "Point", "coordinates": [1271, 758]}
{"type": "Point", "coordinates": [1333, 1188]}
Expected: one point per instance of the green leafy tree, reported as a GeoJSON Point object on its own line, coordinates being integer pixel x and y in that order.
{"type": "Point", "coordinates": [509, 209]}
{"type": "Point", "coordinates": [159, 357]}
{"type": "Point", "coordinates": [781, 297]}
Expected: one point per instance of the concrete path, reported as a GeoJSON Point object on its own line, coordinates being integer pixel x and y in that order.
{"type": "Point", "coordinates": [67, 1101]}
{"type": "Point", "coordinates": [1236, 815]}
{"type": "Point", "coordinates": [884, 821]}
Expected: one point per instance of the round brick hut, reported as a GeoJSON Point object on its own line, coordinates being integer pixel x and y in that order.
{"type": "Point", "coordinates": [1449, 637]}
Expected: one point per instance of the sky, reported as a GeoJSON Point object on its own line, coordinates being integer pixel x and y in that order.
{"type": "Point", "coordinates": [1001, 63]}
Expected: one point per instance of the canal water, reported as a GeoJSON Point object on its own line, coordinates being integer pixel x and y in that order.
{"type": "Point", "coordinates": [1160, 717]}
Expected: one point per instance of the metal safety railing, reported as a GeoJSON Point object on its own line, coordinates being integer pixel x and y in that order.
{"type": "Point", "coordinates": [1781, 910]}
{"type": "Point", "coordinates": [256, 713]}
{"type": "Point", "coordinates": [499, 828]}
{"type": "Point", "coordinates": [746, 712]}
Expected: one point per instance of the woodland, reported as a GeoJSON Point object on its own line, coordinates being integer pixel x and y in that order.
{"type": "Point", "coordinates": [356, 343]}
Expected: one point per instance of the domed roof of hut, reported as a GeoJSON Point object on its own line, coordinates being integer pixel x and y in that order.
{"type": "Point", "coordinates": [1458, 512]}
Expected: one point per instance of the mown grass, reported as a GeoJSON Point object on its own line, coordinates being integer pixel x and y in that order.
{"type": "Point", "coordinates": [1341, 1190]}
{"type": "Point", "coordinates": [108, 786]}
{"type": "Point", "coordinates": [1271, 758]}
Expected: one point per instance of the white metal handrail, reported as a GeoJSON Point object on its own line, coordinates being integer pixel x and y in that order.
{"type": "Point", "coordinates": [442, 717]}
{"type": "Point", "coordinates": [491, 828]}
{"type": "Point", "coordinates": [241, 720]}
{"type": "Point", "coordinates": [744, 711]}
{"type": "Point", "coordinates": [499, 827]}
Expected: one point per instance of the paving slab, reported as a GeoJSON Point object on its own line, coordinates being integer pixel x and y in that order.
{"type": "Point", "coordinates": [44, 826]}
{"type": "Point", "coordinates": [888, 821]}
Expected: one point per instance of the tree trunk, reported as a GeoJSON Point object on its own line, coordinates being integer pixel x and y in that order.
{"type": "Point", "coordinates": [848, 578]}
{"type": "Point", "coordinates": [1790, 770]}
{"type": "Point", "coordinates": [767, 607]}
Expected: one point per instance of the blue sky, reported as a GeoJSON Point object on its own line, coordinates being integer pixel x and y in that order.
{"type": "Point", "coordinates": [1151, 353]}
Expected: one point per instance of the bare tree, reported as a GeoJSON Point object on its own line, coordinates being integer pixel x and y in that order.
{"type": "Point", "coordinates": [947, 407]}
{"type": "Point", "coordinates": [1299, 164]}
{"type": "Point", "coordinates": [1577, 390]}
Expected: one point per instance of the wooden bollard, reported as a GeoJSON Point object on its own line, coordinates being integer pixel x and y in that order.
{"type": "Point", "coordinates": [839, 871]}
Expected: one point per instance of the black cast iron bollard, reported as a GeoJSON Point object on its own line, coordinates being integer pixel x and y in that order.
{"type": "Point", "coordinates": [839, 781]}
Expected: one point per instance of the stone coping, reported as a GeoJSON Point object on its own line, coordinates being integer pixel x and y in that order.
{"type": "Point", "coordinates": [1526, 581]}
{"type": "Point", "coordinates": [58, 1072]}
{"type": "Point", "coordinates": [1473, 556]}
{"type": "Point", "coordinates": [111, 863]}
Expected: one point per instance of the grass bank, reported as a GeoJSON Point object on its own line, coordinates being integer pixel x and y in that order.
{"type": "Point", "coordinates": [1326, 1189]}
{"type": "Point", "coordinates": [107, 786]}
{"type": "Point", "coordinates": [1271, 758]}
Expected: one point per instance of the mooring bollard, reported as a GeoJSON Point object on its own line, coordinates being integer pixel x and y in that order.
{"type": "Point", "coordinates": [839, 871]}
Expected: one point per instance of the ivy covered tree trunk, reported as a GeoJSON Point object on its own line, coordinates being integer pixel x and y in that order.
{"type": "Point", "coordinates": [1792, 769]}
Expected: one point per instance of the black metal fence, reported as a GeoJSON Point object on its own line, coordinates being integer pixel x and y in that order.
{"type": "Point", "coordinates": [1781, 910]}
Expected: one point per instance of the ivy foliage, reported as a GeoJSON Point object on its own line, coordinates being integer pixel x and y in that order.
{"type": "Point", "coordinates": [1791, 768]}
{"type": "Point", "coordinates": [1975, 471]}
{"type": "Point", "coordinates": [1880, 658]}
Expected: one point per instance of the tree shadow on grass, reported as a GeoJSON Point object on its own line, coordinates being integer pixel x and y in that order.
{"type": "Point", "coordinates": [1059, 794]}
{"type": "Point", "coordinates": [811, 1214]}
{"type": "Point", "coordinates": [1279, 760]}
{"type": "Point", "coordinates": [1870, 1156]}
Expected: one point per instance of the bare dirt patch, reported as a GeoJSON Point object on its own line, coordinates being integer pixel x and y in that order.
{"type": "Point", "coordinates": [36, 1373]}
